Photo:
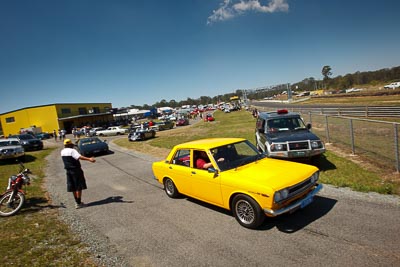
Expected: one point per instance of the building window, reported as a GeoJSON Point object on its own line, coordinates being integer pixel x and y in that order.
{"type": "Point", "coordinates": [82, 111]}
{"type": "Point", "coordinates": [10, 119]}
{"type": "Point", "coordinates": [65, 111]}
{"type": "Point", "coordinates": [96, 110]}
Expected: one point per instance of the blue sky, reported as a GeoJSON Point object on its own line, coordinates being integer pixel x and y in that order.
{"type": "Point", "coordinates": [135, 52]}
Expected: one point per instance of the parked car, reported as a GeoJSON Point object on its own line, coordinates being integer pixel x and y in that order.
{"type": "Point", "coordinates": [209, 117]}
{"type": "Point", "coordinates": [11, 148]}
{"type": "Point", "coordinates": [182, 122]}
{"type": "Point", "coordinates": [283, 134]}
{"type": "Point", "coordinates": [163, 125]}
{"type": "Point", "coordinates": [240, 179]}
{"type": "Point", "coordinates": [392, 85]}
{"type": "Point", "coordinates": [141, 134]}
{"type": "Point", "coordinates": [43, 136]}
{"type": "Point", "coordinates": [114, 130]}
{"type": "Point", "coordinates": [89, 146]}
{"type": "Point", "coordinates": [93, 131]}
{"type": "Point", "coordinates": [28, 141]}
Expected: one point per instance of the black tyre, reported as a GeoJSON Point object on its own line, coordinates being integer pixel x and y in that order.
{"type": "Point", "coordinates": [170, 188]}
{"type": "Point", "coordinates": [258, 146]}
{"type": "Point", "coordinates": [247, 211]}
{"type": "Point", "coordinates": [8, 209]}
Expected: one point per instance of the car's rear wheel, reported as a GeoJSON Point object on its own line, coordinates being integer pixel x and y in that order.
{"type": "Point", "coordinates": [247, 211]}
{"type": "Point", "coordinates": [170, 188]}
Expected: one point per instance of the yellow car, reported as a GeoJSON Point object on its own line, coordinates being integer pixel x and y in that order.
{"type": "Point", "coordinates": [231, 173]}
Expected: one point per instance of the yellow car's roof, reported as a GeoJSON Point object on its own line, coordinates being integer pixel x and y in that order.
{"type": "Point", "coordinates": [209, 143]}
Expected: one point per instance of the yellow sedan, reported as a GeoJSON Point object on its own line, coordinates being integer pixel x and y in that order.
{"type": "Point", "coordinates": [231, 173]}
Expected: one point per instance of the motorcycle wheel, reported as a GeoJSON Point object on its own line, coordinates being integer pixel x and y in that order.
{"type": "Point", "coordinates": [9, 209]}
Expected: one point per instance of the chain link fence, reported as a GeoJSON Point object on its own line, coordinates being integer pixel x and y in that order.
{"type": "Point", "coordinates": [373, 139]}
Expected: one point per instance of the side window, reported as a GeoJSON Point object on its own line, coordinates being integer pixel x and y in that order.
{"type": "Point", "coordinates": [199, 159]}
{"type": "Point", "coordinates": [260, 125]}
{"type": "Point", "coordinates": [182, 157]}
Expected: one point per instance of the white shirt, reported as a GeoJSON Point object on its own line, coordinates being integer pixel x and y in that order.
{"type": "Point", "coordinates": [70, 152]}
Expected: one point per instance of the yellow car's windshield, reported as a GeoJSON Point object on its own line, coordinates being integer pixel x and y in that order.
{"type": "Point", "coordinates": [235, 155]}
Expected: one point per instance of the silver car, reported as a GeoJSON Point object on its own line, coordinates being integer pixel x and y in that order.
{"type": "Point", "coordinates": [11, 148]}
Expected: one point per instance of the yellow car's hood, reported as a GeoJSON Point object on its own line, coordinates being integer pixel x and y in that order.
{"type": "Point", "coordinates": [270, 173]}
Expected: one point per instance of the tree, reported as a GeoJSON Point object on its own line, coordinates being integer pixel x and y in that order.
{"type": "Point", "coordinates": [326, 72]}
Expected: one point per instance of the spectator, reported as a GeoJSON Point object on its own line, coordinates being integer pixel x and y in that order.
{"type": "Point", "coordinates": [75, 177]}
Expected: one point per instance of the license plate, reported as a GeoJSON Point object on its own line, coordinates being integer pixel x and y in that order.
{"type": "Point", "coordinates": [301, 153]}
{"type": "Point", "coordinates": [306, 202]}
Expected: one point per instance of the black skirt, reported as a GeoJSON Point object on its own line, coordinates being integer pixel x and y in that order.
{"type": "Point", "coordinates": [75, 180]}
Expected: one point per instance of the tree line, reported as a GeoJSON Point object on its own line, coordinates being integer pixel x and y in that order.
{"type": "Point", "coordinates": [340, 82]}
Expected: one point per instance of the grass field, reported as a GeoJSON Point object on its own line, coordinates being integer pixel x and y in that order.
{"type": "Point", "coordinates": [335, 170]}
{"type": "Point", "coordinates": [35, 236]}
{"type": "Point", "coordinates": [368, 97]}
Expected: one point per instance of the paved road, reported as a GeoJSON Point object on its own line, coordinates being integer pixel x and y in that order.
{"type": "Point", "coordinates": [133, 219]}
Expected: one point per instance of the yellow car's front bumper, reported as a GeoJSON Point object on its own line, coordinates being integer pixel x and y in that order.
{"type": "Point", "coordinates": [299, 204]}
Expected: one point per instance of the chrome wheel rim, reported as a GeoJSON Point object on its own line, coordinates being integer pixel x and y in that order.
{"type": "Point", "coordinates": [169, 187]}
{"type": "Point", "coordinates": [245, 211]}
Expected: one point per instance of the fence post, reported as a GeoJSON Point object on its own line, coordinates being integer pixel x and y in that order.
{"type": "Point", "coordinates": [327, 129]}
{"type": "Point", "coordinates": [352, 137]}
{"type": "Point", "coordinates": [396, 146]}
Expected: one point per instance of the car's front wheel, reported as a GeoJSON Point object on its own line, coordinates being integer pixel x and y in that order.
{"type": "Point", "coordinates": [258, 146]}
{"type": "Point", "coordinates": [247, 211]}
{"type": "Point", "coordinates": [170, 188]}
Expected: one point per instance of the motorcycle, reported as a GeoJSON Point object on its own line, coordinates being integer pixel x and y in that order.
{"type": "Point", "coordinates": [13, 198]}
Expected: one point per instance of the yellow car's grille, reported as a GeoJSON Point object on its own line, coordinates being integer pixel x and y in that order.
{"type": "Point", "coordinates": [299, 188]}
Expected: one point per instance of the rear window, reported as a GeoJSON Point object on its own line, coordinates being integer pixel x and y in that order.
{"type": "Point", "coordinates": [26, 137]}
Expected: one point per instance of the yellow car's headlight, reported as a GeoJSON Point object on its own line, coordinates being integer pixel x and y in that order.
{"type": "Point", "coordinates": [281, 195]}
{"type": "Point", "coordinates": [314, 177]}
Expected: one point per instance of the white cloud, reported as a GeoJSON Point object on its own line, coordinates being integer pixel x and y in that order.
{"type": "Point", "coordinates": [232, 8]}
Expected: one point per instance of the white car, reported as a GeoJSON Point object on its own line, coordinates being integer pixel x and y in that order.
{"type": "Point", "coordinates": [113, 130]}
{"type": "Point", "coordinates": [11, 148]}
{"type": "Point", "coordinates": [93, 131]}
{"type": "Point", "coordinates": [392, 85]}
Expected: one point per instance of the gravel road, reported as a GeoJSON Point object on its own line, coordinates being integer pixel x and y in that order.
{"type": "Point", "coordinates": [130, 221]}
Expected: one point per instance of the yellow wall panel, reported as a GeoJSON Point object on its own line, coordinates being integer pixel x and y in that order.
{"type": "Point", "coordinates": [47, 117]}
